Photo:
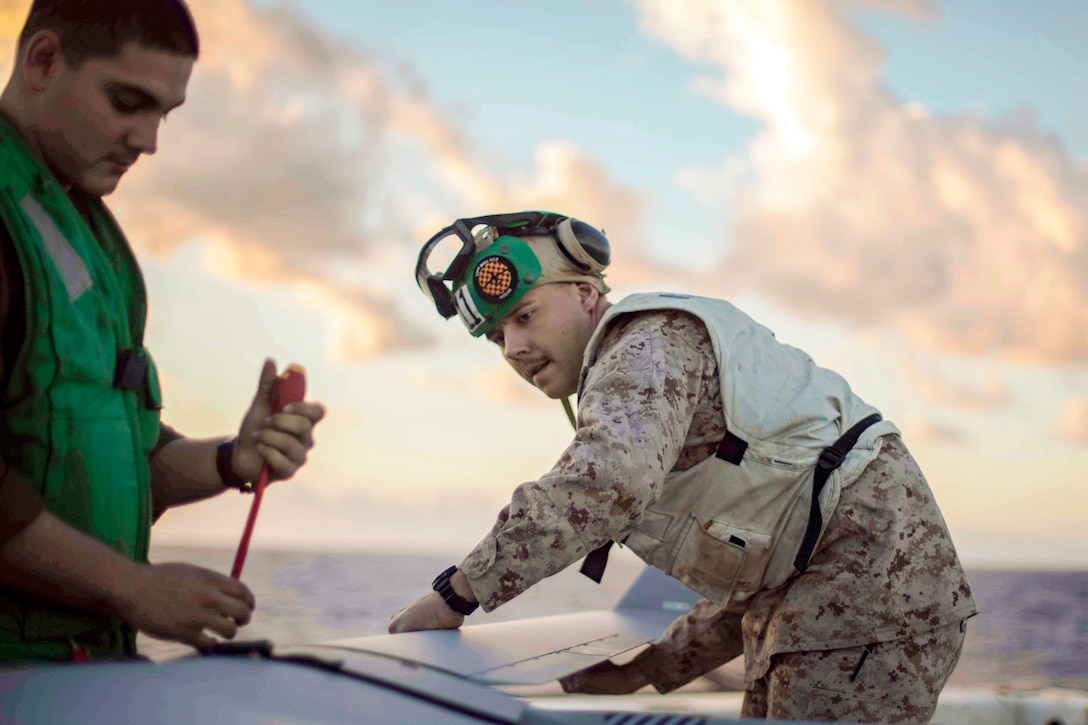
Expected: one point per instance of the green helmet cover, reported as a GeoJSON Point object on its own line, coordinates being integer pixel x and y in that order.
{"type": "Point", "coordinates": [497, 278]}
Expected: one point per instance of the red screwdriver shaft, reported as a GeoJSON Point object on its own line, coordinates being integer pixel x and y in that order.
{"type": "Point", "coordinates": [290, 387]}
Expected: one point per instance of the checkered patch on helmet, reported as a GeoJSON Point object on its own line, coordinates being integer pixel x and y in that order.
{"type": "Point", "coordinates": [495, 278]}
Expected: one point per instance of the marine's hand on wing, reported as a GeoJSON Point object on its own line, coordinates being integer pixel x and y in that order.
{"type": "Point", "coordinates": [183, 602]}
{"type": "Point", "coordinates": [281, 440]}
{"type": "Point", "coordinates": [427, 612]}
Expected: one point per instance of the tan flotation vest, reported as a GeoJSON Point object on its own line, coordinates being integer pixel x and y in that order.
{"type": "Point", "coordinates": [735, 523]}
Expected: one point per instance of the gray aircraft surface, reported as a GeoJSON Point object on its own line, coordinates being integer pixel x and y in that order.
{"type": "Point", "coordinates": [421, 677]}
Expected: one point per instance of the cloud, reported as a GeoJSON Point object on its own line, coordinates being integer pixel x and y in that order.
{"type": "Point", "coordinates": [301, 160]}
{"type": "Point", "coordinates": [563, 178]}
{"type": "Point", "coordinates": [932, 384]}
{"type": "Point", "coordinates": [271, 163]}
{"type": "Point", "coordinates": [275, 160]}
{"type": "Point", "coordinates": [1073, 424]}
{"type": "Point", "coordinates": [919, 429]}
{"type": "Point", "coordinates": [966, 235]}
{"type": "Point", "coordinates": [497, 383]}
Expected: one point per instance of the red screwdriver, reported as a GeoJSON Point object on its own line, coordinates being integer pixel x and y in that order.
{"type": "Point", "coordinates": [289, 387]}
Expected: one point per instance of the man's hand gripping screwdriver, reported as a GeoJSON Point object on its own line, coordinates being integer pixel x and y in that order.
{"type": "Point", "coordinates": [289, 387]}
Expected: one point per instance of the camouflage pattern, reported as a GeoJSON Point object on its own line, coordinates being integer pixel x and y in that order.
{"type": "Point", "coordinates": [886, 682]}
{"type": "Point", "coordinates": [644, 410]}
{"type": "Point", "coordinates": [884, 570]}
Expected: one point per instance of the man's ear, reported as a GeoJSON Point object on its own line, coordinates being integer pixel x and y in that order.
{"type": "Point", "coordinates": [43, 60]}
{"type": "Point", "coordinates": [587, 296]}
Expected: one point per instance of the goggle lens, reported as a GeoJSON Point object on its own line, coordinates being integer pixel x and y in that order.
{"type": "Point", "coordinates": [449, 251]}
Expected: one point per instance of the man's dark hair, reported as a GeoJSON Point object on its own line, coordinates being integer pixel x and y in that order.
{"type": "Point", "coordinates": [101, 28]}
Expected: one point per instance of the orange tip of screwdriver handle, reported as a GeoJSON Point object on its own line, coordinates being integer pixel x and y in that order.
{"type": "Point", "coordinates": [290, 387]}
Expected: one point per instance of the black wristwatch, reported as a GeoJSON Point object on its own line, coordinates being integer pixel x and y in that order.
{"type": "Point", "coordinates": [459, 604]}
{"type": "Point", "coordinates": [224, 455]}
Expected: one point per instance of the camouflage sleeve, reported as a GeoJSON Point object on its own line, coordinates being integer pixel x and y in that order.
{"type": "Point", "coordinates": [633, 415]}
{"type": "Point", "coordinates": [705, 638]}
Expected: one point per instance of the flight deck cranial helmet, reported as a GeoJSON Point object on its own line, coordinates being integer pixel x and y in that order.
{"type": "Point", "coordinates": [494, 266]}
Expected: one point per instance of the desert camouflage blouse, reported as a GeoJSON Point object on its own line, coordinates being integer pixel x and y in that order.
{"type": "Point", "coordinates": [885, 567]}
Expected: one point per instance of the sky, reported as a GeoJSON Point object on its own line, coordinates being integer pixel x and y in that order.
{"type": "Point", "coordinates": [898, 187]}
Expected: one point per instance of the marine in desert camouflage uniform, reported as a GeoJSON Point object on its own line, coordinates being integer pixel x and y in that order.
{"type": "Point", "coordinates": [869, 632]}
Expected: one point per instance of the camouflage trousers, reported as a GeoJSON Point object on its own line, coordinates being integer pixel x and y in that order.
{"type": "Point", "coordinates": [885, 682]}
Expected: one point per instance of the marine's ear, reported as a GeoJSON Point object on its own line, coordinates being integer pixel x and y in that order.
{"type": "Point", "coordinates": [41, 60]}
{"type": "Point", "coordinates": [587, 296]}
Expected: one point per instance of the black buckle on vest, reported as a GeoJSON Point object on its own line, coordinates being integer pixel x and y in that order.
{"type": "Point", "coordinates": [831, 458]}
{"type": "Point", "coordinates": [131, 370]}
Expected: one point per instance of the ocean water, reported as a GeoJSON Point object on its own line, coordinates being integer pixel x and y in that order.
{"type": "Point", "coordinates": [1032, 632]}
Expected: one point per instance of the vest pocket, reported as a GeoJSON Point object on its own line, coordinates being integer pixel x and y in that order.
{"type": "Point", "coordinates": [721, 561]}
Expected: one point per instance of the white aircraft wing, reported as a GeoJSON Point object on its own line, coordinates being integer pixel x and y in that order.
{"type": "Point", "coordinates": [542, 649]}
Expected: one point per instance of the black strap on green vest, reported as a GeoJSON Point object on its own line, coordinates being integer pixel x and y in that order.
{"type": "Point", "coordinates": [131, 370]}
{"type": "Point", "coordinates": [830, 459]}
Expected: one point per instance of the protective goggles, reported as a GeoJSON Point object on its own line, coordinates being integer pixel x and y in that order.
{"type": "Point", "coordinates": [485, 277]}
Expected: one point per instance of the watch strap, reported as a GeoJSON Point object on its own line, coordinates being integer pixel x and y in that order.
{"type": "Point", "coordinates": [457, 603]}
{"type": "Point", "coordinates": [224, 456]}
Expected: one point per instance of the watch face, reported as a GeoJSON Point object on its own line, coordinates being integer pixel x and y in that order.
{"type": "Point", "coordinates": [443, 579]}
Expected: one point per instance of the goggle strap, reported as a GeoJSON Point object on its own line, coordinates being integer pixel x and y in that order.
{"type": "Point", "coordinates": [441, 297]}
{"type": "Point", "coordinates": [523, 224]}
{"type": "Point", "coordinates": [570, 257]}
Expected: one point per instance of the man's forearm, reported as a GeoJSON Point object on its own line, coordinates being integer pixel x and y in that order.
{"type": "Point", "coordinates": [52, 561]}
{"type": "Point", "coordinates": [19, 504]}
{"type": "Point", "coordinates": [708, 636]}
{"type": "Point", "coordinates": [184, 471]}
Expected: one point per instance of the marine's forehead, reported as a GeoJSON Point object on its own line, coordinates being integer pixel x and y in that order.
{"type": "Point", "coordinates": [162, 75]}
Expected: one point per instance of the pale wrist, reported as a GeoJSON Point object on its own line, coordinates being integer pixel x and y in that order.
{"type": "Point", "coordinates": [461, 587]}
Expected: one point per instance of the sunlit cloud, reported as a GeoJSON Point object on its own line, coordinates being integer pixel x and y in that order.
{"type": "Point", "coordinates": [288, 159]}
{"type": "Point", "coordinates": [1073, 424]}
{"type": "Point", "coordinates": [917, 429]}
{"type": "Point", "coordinates": [497, 383]}
{"type": "Point", "coordinates": [983, 391]}
{"type": "Point", "coordinates": [563, 179]}
{"type": "Point", "coordinates": [966, 235]}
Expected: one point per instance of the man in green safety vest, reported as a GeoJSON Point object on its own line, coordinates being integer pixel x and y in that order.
{"type": "Point", "coordinates": [85, 464]}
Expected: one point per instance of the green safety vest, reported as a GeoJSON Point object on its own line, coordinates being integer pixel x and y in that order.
{"type": "Point", "coordinates": [80, 414]}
